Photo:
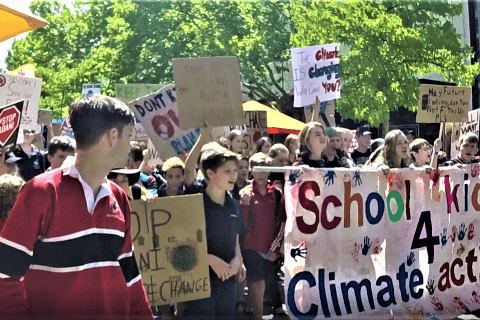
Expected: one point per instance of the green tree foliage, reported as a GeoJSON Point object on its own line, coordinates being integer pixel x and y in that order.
{"type": "Point", "coordinates": [84, 43]}
{"type": "Point", "coordinates": [389, 43]}
{"type": "Point", "coordinates": [257, 32]}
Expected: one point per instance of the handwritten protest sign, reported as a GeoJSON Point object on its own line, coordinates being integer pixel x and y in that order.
{"type": "Point", "coordinates": [316, 73]}
{"type": "Point", "coordinates": [359, 244]}
{"type": "Point", "coordinates": [171, 254]}
{"type": "Point", "coordinates": [443, 103]}
{"type": "Point", "coordinates": [254, 128]}
{"type": "Point", "coordinates": [10, 116]}
{"type": "Point", "coordinates": [132, 91]}
{"type": "Point", "coordinates": [15, 88]}
{"type": "Point", "coordinates": [208, 88]}
{"type": "Point", "coordinates": [89, 89]}
{"type": "Point", "coordinates": [158, 114]}
{"type": "Point", "coordinates": [154, 154]}
{"type": "Point", "coordinates": [461, 128]}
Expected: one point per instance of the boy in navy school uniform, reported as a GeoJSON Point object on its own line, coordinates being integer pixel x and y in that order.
{"type": "Point", "coordinates": [223, 226]}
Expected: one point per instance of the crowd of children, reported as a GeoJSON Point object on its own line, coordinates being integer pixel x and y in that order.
{"type": "Point", "coordinates": [69, 229]}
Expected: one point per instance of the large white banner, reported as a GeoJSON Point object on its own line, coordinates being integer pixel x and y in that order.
{"type": "Point", "coordinates": [362, 244]}
{"type": "Point", "coordinates": [316, 73]}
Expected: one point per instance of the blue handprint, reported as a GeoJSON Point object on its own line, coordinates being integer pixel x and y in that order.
{"type": "Point", "coordinates": [366, 245]}
{"type": "Point", "coordinates": [443, 237]}
{"type": "Point", "coordinates": [330, 177]}
{"type": "Point", "coordinates": [410, 258]}
{"type": "Point", "coordinates": [292, 178]}
{"type": "Point", "coordinates": [357, 179]}
{"type": "Point", "coordinates": [462, 232]}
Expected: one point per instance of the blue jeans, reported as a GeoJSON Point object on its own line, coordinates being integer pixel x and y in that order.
{"type": "Point", "coordinates": [220, 305]}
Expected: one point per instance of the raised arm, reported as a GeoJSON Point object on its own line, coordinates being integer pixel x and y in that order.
{"type": "Point", "coordinates": [191, 162]}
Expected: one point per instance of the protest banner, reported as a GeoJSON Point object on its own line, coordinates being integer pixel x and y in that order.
{"type": "Point", "coordinates": [154, 154]}
{"type": "Point", "coordinates": [171, 254]}
{"type": "Point", "coordinates": [15, 88]}
{"type": "Point", "coordinates": [89, 89]}
{"type": "Point", "coordinates": [131, 91]}
{"type": "Point", "coordinates": [438, 104]}
{"type": "Point", "coordinates": [316, 73]}
{"type": "Point", "coordinates": [26, 70]}
{"type": "Point", "coordinates": [10, 118]}
{"type": "Point", "coordinates": [460, 128]}
{"type": "Point", "coordinates": [208, 89]}
{"type": "Point", "coordinates": [158, 114]}
{"type": "Point", "coordinates": [44, 116]}
{"type": "Point", "coordinates": [362, 244]}
{"type": "Point", "coordinates": [254, 128]}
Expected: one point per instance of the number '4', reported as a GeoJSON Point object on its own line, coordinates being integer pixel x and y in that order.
{"type": "Point", "coordinates": [428, 242]}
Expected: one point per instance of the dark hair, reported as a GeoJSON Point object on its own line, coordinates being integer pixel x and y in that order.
{"type": "Point", "coordinates": [61, 143]}
{"type": "Point", "coordinates": [213, 158]}
{"type": "Point", "coordinates": [137, 153]}
{"type": "Point", "coordinates": [262, 141]}
{"type": "Point", "coordinates": [92, 116]}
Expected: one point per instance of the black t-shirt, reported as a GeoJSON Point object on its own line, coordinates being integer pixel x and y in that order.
{"type": "Point", "coordinates": [360, 158]}
{"type": "Point", "coordinates": [335, 163]}
{"type": "Point", "coordinates": [223, 224]}
{"type": "Point", "coordinates": [305, 159]}
{"type": "Point", "coordinates": [30, 166]}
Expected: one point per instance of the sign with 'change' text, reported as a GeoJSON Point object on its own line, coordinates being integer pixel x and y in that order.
{"type": "Point", "coordinates": [171, 254]}
{"type": "Point", "coordinates": [362, 244]}
{"type": "Point", "coordinates": [316, 73]}
{"type": "Point", "coordinates": [158, 114]}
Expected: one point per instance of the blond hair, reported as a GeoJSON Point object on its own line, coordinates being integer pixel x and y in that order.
{"type": "Point", "coordinates": [259, 159]}
{"type": "Point", "coordinates": [173, 162]}
{"type": "Point", "coordinates": [9, 187]}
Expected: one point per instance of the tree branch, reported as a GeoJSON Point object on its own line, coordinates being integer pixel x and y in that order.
{"type": "Point", "coordinates": [272, 77]}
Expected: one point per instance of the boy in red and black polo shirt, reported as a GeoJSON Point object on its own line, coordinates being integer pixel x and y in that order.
{"type": "Point", "coordinates": [66, 250]}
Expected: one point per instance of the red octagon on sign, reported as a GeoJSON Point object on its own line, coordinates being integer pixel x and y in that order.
{"type": "Point", "coordinates": [9, 121]}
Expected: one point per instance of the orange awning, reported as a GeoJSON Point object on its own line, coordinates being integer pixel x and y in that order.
{"type": "Point", "coordinates": [277, 122]}
{"type": "Point", "coordinates": [13, 22]}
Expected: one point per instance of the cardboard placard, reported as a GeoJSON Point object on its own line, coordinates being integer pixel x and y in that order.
{"type": "Point", "coordinates": [131, 91]}
{"type": "Point", "coordinates": [154, 154]}
{"type": "Point", "coordinates": [438, 104]}
{"type": "Point", "coordinates": [208, 88]}
{"type": "Point", "coordinates": [158, 114]}
{"type": "Point", "coordinates": [44, 116]}
{"type": "Point", "coordinates": [16, 88]}
{"type": "Point", "coordinates": [316, 73]}
{"type": "Point", "coordinates": [10, 118]}
{"type": "Point", "coordinates": [254, 128]}
{"type": "Point", "coordinates": [171, 254]}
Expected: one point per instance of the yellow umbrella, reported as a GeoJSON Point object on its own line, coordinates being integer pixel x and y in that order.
{"type": "Point", "coordinates": [277, 122]}
{"type": "Point", "coordinates": [13, 22]}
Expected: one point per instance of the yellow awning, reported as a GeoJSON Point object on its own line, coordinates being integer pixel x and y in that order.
{"type": "Point", "coordinates": [277, 122]}
{"type": "Point", "coordinates": [13, 22]}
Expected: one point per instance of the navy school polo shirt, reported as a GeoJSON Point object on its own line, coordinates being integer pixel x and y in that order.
{"type": "Point", "coordinates": [223, 224]}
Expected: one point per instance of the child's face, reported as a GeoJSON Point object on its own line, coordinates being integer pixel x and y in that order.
{"type": "Point", "coordinates": [468, 150]}
{"type": "Point", "coordinates": [423, 156]}
{"type": "Point", "coordinates": [261, 178]}
{"type": "Point", "coordinates": [175, 178]}
{"type": "Point", "coordinates": [57, 159]}
{"type": "Point", "coordinates": [119, 152]}
{"type": "Point", "coordinates": [334, 143]}
{"type": "Point", "coordinates": [224, 177]}
{"type": "Point", "coordinates": [237, 144]}
{"type": "Point", "coordinates": [266, 147]}
{"type": "Point", "coordinates": [242, 169]}
{"type": "Point", "coordinates": [294, 146]}
{"type": "Point", "coordinates": [364, 141]}
{"type": "Point", "coordinates": [346, 141]}
{"type": "Point", "coordinates": [281, 160]}
{"type": "Point", "coordinates": [317, 140]}
{"type": "Point", "coordinates": [122, 181]}
{"type": "Point", "coordinates": [401, 149]}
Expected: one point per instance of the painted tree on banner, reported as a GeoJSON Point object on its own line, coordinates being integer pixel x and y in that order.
{"type": "Point", "coordinates": [389, 43]}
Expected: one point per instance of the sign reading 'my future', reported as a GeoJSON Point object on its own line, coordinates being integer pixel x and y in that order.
{"type": "Point", "coordinates": [208, 89]}
{"type": "Point", "coordinates": [443, 103]}
{"type": "Point", "coordinates": [316, 73]}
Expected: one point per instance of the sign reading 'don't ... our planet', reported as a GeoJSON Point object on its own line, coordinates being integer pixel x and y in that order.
{"type": "Point", "coordinates": [443, 103]}
{"type": "Point", "coordinates": [171, 254]}
{"type": "Point", "coordinates": [208, 89]}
